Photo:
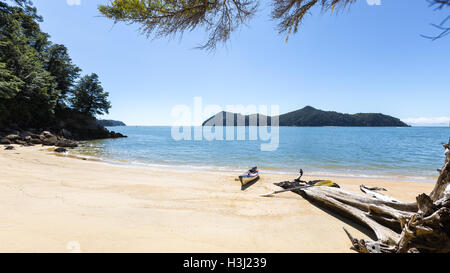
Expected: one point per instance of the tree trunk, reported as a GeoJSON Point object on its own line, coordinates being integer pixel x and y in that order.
{"type": "Point", "coordinates": [423, 226]}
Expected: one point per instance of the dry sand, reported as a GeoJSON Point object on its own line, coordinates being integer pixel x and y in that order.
{"type": "Point", "coordinates": [62, 204]}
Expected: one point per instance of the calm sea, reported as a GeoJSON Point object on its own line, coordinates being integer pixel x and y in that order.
{"type": "Point", "coordinates": [403, 153]}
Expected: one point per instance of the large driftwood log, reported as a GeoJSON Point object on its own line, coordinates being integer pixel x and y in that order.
{"type": "Point", "coordinates": [423, 226]}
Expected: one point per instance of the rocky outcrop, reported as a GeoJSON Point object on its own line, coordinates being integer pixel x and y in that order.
{"type": "Point", "coordinates": [116, 135]}
{"type": "Point", "coordinates": [69, 125]}
{"type": "Point", "coordinates": [65, 143]}
{"type": "Point", "coordinates": [5, 141]}
{"type": "Point", "coordinates": [82, 128]}
{"type": "Point", "coordinates": [12, 137]}
{"type": "Point", "coordinates": [65, 134]}
{"type": "Point", "coordinates": [31, 137]}
{"type": "Point", "coordinates": [35, 141]}
{"type": "Point", "coordinates": [50, 140]}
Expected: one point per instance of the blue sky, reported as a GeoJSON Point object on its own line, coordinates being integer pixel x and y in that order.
{"type": "Point", "coordinates": [365, 59]}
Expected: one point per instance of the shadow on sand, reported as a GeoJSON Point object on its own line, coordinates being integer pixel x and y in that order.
{"type": "Point", "coordinates": [249, 184]}
{"type": "Point", "coordinates": [353, 222]}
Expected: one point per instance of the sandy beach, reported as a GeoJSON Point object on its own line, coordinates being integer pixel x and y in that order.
{"type": "Point", "coordinates": [51, 203]}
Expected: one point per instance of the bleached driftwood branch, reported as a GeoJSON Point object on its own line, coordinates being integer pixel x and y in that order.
{"type": "Point", "coordinates": [423, 226]}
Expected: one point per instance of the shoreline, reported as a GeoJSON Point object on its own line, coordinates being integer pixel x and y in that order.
{"type": "Point", "coordinates": [49, 202]}
{"type": "Point", "coordinates": [229, 169]}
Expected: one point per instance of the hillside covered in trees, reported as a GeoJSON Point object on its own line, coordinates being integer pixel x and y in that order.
{"type": "Point", "coordinates": [110, 122]}
{"type": "Point", "coordinates": [40, 86]}
{"type": "Point", "coordinates": [309, 116]}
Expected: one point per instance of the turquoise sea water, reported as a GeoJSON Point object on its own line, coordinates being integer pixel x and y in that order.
{"type": "Point", "coordinates": [406, 153]}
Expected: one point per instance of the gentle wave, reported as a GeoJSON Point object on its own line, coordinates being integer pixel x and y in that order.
{"type": "Point", "coordinates": [383, 153]}
{"type": "Point", "coordinates": [263, 169]}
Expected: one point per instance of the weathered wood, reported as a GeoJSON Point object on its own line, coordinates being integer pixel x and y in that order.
{"type": "Point", "coordinates": [441, 188]}
{"type": "Point", "coordinates": [355, 208]}
{"type": "Point", "coordinates": [282, 191]}
{"type": "Point", "coordinates": [425, 204]}
{"type": "Point", "coordinates": [423, 226]}
{"type": "Point", "coordinates": [377, 195]}
{"type": "Point", "coordinates": [374, 188]}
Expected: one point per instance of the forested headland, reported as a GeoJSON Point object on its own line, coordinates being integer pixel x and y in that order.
{"type": "Point", "coordinates": [40, 86]}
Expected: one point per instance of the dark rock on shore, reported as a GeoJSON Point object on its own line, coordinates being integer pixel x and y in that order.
{"type": "Point", "coordinates": [82, 128]}
{"type": "Point", "coordinates": [5, 141]}
{"type": "Point", "coordinates": [10, 148]}
{"type": "Point", "coordinates": [35, 141]}
{"type": "Point", "coordinates": [60, 150]}
{"type": "Point", "coordinates": [50, 140]}
{"type": "Point", "coordinates": [116, 135]}
{"type": "Point", "coordinates": [20, 142]}
{"type": "Point", "coordinates": [27, 138]}
{"type": "Point", "coordinates": [63, 134]}
{"type": "Point", "coordinates": [66, 143]}
{"type": "Point", "coordinates": [47, 138]}
{"type": "Point", "coordinates": [46, 134]}
{"type": "Point", "coordinates": [12, 137]}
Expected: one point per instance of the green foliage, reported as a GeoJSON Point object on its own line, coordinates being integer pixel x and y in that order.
{"type": "Point", "coordinates": [34, 103]}
{"type": "Point", "coordinates": [161, 18]}
{"type": "Point", "coordinates": [219, 18]}
{"type": "Point", "coordinates": [9, 83]}
{"type": "Point", "coordinates": [89, 97]}
{"type": "Point", "coordinates": [37, 77]}
{"type": "Point", "coordinates": [60, 66]}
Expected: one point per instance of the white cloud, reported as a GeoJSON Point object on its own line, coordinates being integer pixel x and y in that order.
{"type": "Point", "coordinates": [73, 2]}
{"type": "Point", "coordinates": [427, 121]}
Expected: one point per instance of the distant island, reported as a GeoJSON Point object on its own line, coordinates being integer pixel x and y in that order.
{"type": "Point", "coordinates": [310, 116]}
{"type": "Point", "coordinates": [110, 123]}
